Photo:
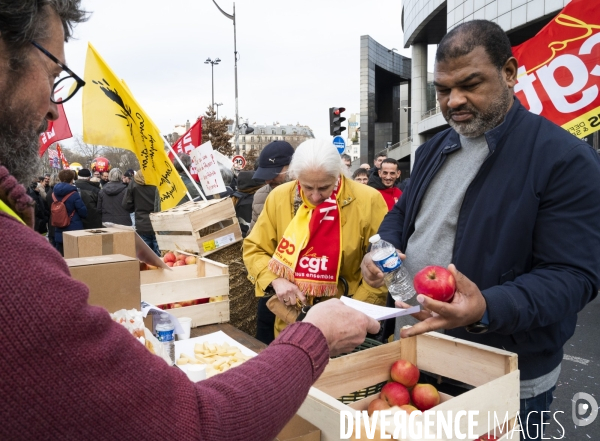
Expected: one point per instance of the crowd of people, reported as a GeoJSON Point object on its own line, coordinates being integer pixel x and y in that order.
{"type": "Point", "coordinates": [505, 199]}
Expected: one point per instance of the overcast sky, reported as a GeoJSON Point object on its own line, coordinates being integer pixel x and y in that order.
{"type": "Point", "coordinates": [296, 59]}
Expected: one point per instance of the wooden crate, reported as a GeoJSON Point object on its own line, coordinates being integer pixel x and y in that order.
{"type": "Point", "coordinates": [197, 227]}
{"type": "Point", "coordinates": [190, 282]}
{"type": "Point", "coordinates": [493, 372]}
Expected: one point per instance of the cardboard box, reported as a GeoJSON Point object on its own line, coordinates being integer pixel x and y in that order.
{"type": "Point", "coordinates": [492, 372]}
{"type": "Point", "coordinates": [99, 242]}
{"type": "Point", "coordinates": [113, 280]}
{"type": "Point", "coordinates": [298, 429]}
{"type": "Point", "coordinates": [187, 283]}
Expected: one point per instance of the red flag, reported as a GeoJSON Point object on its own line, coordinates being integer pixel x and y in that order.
{"type": "Point", "coordinates": [57, 131]}
{"type": "Point", "coordinates": [61, 157]}
{"type": "Point", "coordinates": [559, 69]}
{"type": "Point", "coordinates": [188, 142]}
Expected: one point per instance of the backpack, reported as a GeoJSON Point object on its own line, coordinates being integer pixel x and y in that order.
{"type": "Point", "coordinates": [59, 215]}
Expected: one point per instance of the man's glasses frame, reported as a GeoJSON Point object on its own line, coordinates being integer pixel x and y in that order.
{"type": "Point", "coordinates": [78, 81]}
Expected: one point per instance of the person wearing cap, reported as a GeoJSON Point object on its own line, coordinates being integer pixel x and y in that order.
{"type": "Point", "coordinates": [273, 164]}
{"type": "Point", "coordinates": [89, 190]}
{"type": "Point", "coordinates": [128, 176]}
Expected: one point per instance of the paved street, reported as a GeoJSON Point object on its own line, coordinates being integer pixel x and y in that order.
{"type": "Point", "coordinates": [580, 373]}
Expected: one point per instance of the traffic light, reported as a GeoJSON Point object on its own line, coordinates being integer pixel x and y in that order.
{"type": "Point", "coordinates": [335, 121]}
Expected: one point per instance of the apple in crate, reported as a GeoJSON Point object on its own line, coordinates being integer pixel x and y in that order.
{"type": "Point", "coordinates": [487, 437]}
{"type": "Point", "coordinates": [435, 282]}
{"type": "Point", "coordinates": [395, 394]}
{"type": "Point", "coordinates": [179, 263]}
{"type": "Point", "coordinates": [405, 373]}
{"type": "Point", "coordinates": [181, 257]}
{"type": "Point", "coordinates": [425, 396]}
{"type": "Point", "coordinates": [377, 404]}
{"type": "Point", "coordinates": [190, 260]}
{"type": "Point", "coordinates": [169, 264]}
{"type": "Point", "coordinates": [169, 257]}
{"type": "Point", "coordinates": [408, 408]}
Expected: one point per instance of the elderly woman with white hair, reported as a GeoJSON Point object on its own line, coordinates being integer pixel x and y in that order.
{"type": "Point", "coordinates": [313, 231]}
{"type": "Point", "coordinates": [110, 199]}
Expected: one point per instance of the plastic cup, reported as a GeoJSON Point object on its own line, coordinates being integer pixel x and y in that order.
{"type": "Point", "coordinates": [196, 372]}
{"type": "Point", "coordinates": [186, 324]}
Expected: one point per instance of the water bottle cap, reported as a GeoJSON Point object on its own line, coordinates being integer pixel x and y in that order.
{"type": "Point", "coordinates": [375, 238]}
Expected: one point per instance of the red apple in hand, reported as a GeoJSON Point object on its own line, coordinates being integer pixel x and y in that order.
{"type": "Point", "coordinates": [377, 404]}
{"type": "Point", "coordinates": [425, 396]}
{"type": "Point", "coordinates": [435, 282]}
{"type": "Point", "coordinates": [405, 373]}
{"type": "Point", "coordinates": [395, 394]}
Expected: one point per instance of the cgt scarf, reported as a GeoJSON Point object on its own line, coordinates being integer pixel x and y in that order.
{"type": "Point", "coordinates": [309, 253]}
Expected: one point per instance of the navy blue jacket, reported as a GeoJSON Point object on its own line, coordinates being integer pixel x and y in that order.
{"type": "Point", "coordinates": [527, 233]}
{"type": "Point", "coordinates": [74, 203]}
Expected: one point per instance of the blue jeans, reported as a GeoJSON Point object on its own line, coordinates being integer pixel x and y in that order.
{"type": "Point", "coordinates": [532, 428]}
{"type": "Point", "coordinates": [150, 240]}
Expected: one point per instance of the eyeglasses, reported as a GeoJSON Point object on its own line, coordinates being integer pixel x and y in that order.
{"type": "Point", "coordinates": [71, 82]}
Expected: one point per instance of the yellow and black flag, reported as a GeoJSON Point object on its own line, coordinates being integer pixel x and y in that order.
{"type": "Point", "coordinates": [112, 117]}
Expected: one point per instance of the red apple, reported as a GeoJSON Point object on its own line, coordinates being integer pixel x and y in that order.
{"type": "Point", "coordinates": [487, 437]}
{"type": "Point", "coordinates": [408, 408]}
{"type": "Point", "coordinates": [425, 396]}
{"type": "Point", "coordinates": [435, 282]}
{"type": "Point", "coordinates": [181, 257]}
{"type": "Point", "coordinates": [404, 372]}
{"type": "Point", "coordinates": [395, 394]}
{"type": "Point", "coordinates": [190, 260]}
{"type": "Point", "coordinates": [169, 264]}
{"type": "Point", "coordinates": [377, 404]}
{"type": "Point", "coordinates": [179, 263]}
{"type": "Point", "coordinates": [169, 257]}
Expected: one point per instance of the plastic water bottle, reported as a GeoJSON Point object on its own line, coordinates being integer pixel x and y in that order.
{"type": "Point", "coordinates": [165, 333]}
{"type": "Point", "coordinates": [395, 275]}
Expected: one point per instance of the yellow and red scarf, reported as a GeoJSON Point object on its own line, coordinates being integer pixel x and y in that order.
{"type": "Point", "coordinates": [309, 253]}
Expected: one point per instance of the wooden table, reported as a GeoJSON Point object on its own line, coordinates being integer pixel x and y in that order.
{"type": "Point", "coordinates": [239, 336]}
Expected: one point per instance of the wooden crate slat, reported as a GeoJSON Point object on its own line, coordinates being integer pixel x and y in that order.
{"type": "Point", "coordinates": [323, 411]}
{"type": "Point", "coordinates": [172, 242]}
{"type": "Point", "coordinates": [232, 229]}
{"type": "Point", "coordinates": [354, 372]}
{"type": "Point", "coordinates": [212, 214]}
{"type": "Point", "coordinates": [164, 275]}
{"type": "Point", "coordinates": [205, 314]}
{"type": "Point", "coordinates": [207, 267]}
{"type": "Point", "coordinates": [485, 363]}
{"type": "Point", "coordinates": [182, 290]}
{"type": "Point", "coordinates": [193, 216]}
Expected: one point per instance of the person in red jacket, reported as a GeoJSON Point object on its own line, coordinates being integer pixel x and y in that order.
{"type": "Point", "coordinates": [67, 370]}
{"type": "Point", "coordinates": [384, 181]}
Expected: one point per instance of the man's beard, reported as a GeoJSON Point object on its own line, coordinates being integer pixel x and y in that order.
{"type": "Point", "coordinates": [481, 121]}
{"type": "Point", "coordinates": [19, 143]}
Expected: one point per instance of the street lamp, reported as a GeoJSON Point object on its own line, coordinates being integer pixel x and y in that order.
{"type": "Point", "coordinates": [212, 68]}
{"type": "Point", "coordinates": [235, 57]}
{"type": "Point", "coordinates": [218, 104]}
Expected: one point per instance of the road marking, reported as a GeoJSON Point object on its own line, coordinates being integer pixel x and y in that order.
{"type": "Point", "coordinates": [576, 359]}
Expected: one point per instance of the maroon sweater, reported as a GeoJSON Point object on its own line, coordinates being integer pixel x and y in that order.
{"type": "Point", "coordinates": [67, 371]}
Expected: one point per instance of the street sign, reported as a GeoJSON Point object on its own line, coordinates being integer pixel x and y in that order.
{"type": "Point", "coordinates": [339, 144]}
{"type": "Point", "coordinates": [239, 162]}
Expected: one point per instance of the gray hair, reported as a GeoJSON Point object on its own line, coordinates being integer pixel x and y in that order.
{"type": "Point", "coordinates": [22, 21]}
{"type": "Point", "coordinates": [115, 175]}
{"type": "Point", "coordinates": [317, 154]}
{"type": "Point", "coordinates": [186, 161]}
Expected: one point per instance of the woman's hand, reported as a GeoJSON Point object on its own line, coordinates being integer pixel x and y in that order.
{"type": "Point", "coordinates": [287, 292]}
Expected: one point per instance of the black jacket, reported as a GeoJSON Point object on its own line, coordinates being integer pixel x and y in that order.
{"type": "Point", "coordinates": [244, 197]}
{"type": "Point", "coordinates": [41, 214]}
{"type": "Point", "coordinates": [527, 233]}
{"type": "Point", "coordinates": [110, 204]}
{"type": "Point", "coordinates": [89, 195]}
{"type": "Point", "coordinates": [140, 199]}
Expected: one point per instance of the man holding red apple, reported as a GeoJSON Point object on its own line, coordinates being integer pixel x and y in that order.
{"type": "Point", "coordinates": [511, 200]}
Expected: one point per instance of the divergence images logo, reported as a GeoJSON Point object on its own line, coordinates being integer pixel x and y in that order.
{"type": "Point", "coordinates": [584, 409]}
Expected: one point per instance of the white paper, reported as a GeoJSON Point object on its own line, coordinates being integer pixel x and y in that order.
{"type": "Point", "coordinates": [219, 337]}
{"type": "Point", "coordinates": [378, 312]}
{"type": "Point", "coordinates": [205, 160]}
{"type": "Point", "coordinates": [224, 240]}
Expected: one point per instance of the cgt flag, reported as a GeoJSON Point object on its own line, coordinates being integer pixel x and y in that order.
{"type": "Point", "coordinates": [112, 117]}
{"type": "Point", "coordinates": [187, 143]}
{"type": "Point", "coordinates": [57, 131]}
{"type": "Point", "coordinates": [559, 69]}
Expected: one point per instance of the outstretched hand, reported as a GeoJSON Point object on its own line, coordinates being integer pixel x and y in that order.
{"type": "Point", "coordinates": [467, 307]}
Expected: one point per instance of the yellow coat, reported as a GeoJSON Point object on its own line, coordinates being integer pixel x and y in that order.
{"type": "Point", "coordinates": [362, 210]}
